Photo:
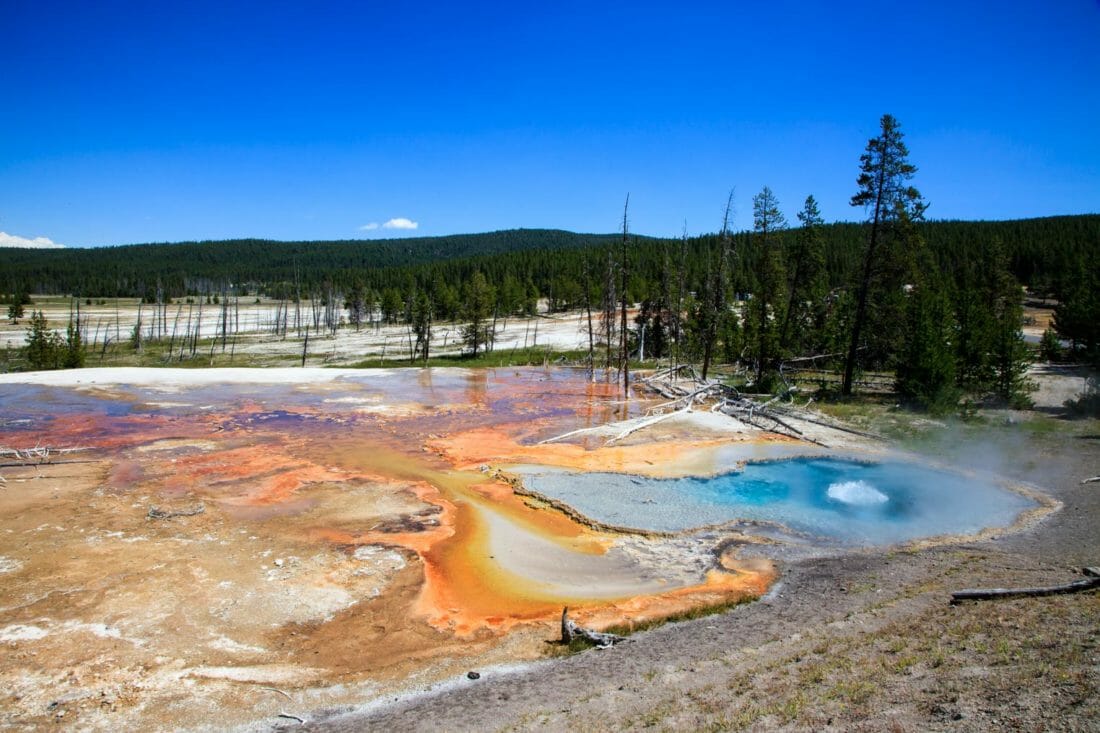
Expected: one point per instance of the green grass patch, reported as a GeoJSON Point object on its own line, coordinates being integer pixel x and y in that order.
{"type": "Point", "coordinates": [580, 644]}
{"type": "Point", "coordinates": [626, 629]}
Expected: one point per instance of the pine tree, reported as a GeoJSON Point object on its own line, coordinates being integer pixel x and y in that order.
{"type": "Point", "coordinates": [391, 305]}
{"type": "Point", "coordinates": [1009, 357]}
{"type": "Point", "coordinates": [926, 371]}
{"type": "Point", "coordinates": [991, 355]}
{"type": "Point", "coordinates": [1077, 316]}
{"type": "Point", "coordinates": [355, 304]}
{"type": "Point", "coordinates": [477, 302]}
{"type": "Point", "coordinates": [885, 193]}
{"type": "Point", "coordinates": [72, 354]}
{"type": "Point", "coordinates": [767, 221]}
{"type": "Point", "coordinates": [15, 311]}
{"type": "Point", "coordinates": [805, 317]}
{"type": "Point", "coordinates": [44, 347]}
{"type": "Point", "coordinates": [422, 325]}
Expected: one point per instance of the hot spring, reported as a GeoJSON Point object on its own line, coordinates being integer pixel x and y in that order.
{"type": "Point", "coordinates": [834, 499]}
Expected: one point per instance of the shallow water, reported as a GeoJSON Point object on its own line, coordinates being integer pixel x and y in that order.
{"type": "Point", "coordinates": [845, 501]}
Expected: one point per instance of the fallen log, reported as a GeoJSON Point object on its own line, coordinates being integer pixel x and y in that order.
{"type": "Point", "coordinates": [648, 422]}
{"type": "Point", "coordinates": [988, 594]}
{"type": "Point", "coordinates": [799, 414]}
{"type": "Point", "coordinates": [32, 464]}
{"type": "Point", "coordinates": [158, 513]}
{"type": "Point", "coordinates": [570, 630]}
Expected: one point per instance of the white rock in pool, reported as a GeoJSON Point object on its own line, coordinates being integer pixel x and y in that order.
{"type": "Point", "coordinates": [859, 493]}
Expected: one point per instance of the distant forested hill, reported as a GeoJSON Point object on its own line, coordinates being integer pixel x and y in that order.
{"type": "Point", "coordinates": [130, 269]}
{"type": "Point", "coordinates": [1041, 252]}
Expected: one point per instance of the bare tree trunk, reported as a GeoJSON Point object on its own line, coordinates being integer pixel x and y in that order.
{"type": "Point", "coordinates": [187, 336]}
{"type": "Point", "coordinates": [624, 347]}
{"type": "Point", "coordinates": [607, 324]}
{"type": "Point", "coordinates": [718, 296]}
{"type": "Point", "coordinates": [677, 318]}
{"type": "Point", "coordinates": [198, 325]}
{"type": "Point", "coordinates": [175, 327]}
{"type": "Point", "coordinates": [588, 311]}
{"type": "Point", "coordinates": [297, 304]}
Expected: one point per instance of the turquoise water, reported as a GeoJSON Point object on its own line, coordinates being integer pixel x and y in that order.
{"type": "Point", "coordinates": [845, 501]}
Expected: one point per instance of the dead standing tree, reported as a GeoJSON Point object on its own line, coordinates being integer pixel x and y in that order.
{"type": "Point", "coordinates": [588, 311]}
{"type": "Point", "coordinates": [607, 311]}
{"type": "Point", "coordinates": [717, 304]}
{"type": "Point", "coordinates": [624, 272]}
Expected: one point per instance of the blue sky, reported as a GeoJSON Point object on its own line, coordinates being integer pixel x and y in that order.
{"type": "Point", "coordinates": [146, 121]}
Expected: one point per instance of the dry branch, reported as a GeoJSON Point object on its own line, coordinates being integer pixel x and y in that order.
{"type": "Point", "coordinates": [988, 594]}
{"type": "Point", "coordinates": [292, 717]}
{"type": "Point", "coordinates": [37, 456]}
{"type": "Point", "coordinates": [570, 630]}
{"type": "Point", "coordinates": [275, 689]}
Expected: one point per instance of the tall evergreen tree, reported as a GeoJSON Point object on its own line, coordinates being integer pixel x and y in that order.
{"type": "Point", "coordinates": [72, 354]}
{"type": "Point", "coordinates": [926, 370]}
{"type": "Point", "coordinates": [885, 193]}
{"type": "Point", "coordinates": [925, 373]}
{"type": "Point", "coordinates": [805, 315]}
{"type": "Point", "coordinates": [422, 312]}
{"type": "Point", "coordinates": [1077, 316]}
{"type": "Point", "coordinates": [478, 298]}
{"type": "Point", "coordinates": [15, 307]}
{"type": "Point", "coordinates": [771, 281]}
{"type": "Point", "coordinates": [1009, 358]}
{"type": "Point", "coordinates": [44, 346]}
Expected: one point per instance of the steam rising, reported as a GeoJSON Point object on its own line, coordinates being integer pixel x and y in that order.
{"type": "Point", "coordinates": [857, 493]}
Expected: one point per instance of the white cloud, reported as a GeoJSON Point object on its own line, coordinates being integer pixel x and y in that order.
{"type": "Point", "coordinates": [10, 240]}
{"type": "Point", "coordinates": [400, 223]}
{"type": "Point", "coordinates": [369, 227]}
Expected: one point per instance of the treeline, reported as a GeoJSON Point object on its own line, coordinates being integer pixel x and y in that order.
{"type": "Point", "coordinates": [935, 304]}
{"type": "Point", "coordinates": [1045, 254]}
{"type": "Point", "coordinates": [189, 268]}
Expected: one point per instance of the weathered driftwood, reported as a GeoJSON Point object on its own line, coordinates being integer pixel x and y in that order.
{"type": "Point", "coordinates": [646, 423]}
{"type": "Point", "coordinates": [1092, 480]}
{"type": "Point", "coordinates": [276, 689]}
{"type": "Point", "coordinates": [570, 434]}
{"type": "Point", "coordinates": [570, 630]}
{"type": "Point", "coordinates": [37, 455]}
{"type": "Point", "coordinates": [988, 594]}
{"type": "Point", "coordinates": [800, 413]}
{"type": "Point", "coordinates": [752, 413]}
{"type": "Point", "coordinates": [158, 513]}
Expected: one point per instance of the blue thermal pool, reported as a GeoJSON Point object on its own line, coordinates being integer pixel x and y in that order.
{"type": "Point", "coordinates": [845, 501]}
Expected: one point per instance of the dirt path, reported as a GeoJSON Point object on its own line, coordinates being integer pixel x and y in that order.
{"type": "Point", "coordinates": [860, 642]}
